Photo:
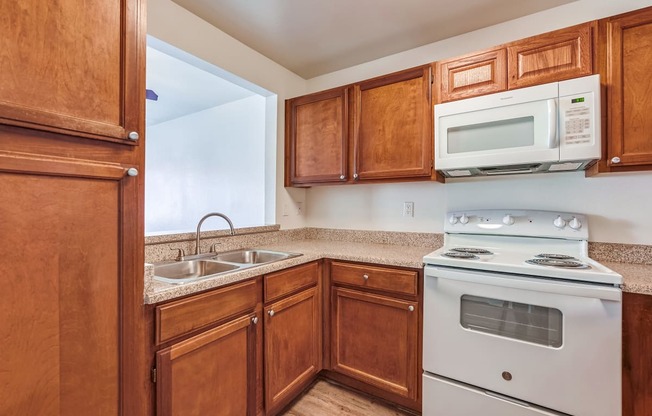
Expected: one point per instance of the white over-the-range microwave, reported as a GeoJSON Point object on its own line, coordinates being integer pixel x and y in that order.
{"type": "Point", "coordinates": [545, 128]}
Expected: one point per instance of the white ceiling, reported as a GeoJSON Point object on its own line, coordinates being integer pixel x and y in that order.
{"type": "Point", "coordinates": [312, 37]}
{"type": "Point", "coordinates": [184, 89]}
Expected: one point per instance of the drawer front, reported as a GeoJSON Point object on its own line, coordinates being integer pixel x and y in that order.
{"type": "Point", "coordinates": [291, 280]}
{"type": "Point", "coordinates": [379, 278]}
{"type": "Point", "coordinates": [178, 318]}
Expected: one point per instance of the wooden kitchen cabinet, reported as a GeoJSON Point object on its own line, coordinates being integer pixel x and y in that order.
{"type": "Point", "coordinates": [211, 373]}
{"type": "Point", "coordinates": [211, 356]}
{"type": "Point", "coordinates": [471, 75]}
{"type": "Point", "coordinates": [379, 129]}
{"type": "Point", "coordinates": [73, 334]}
{"type": "Point", "coordinates": [317, 138]}
{"type": "Point", "coordinates": [71, 68]}
{"type": "Point", "coordinates": [293, 334]}
{"type": "Point", "coordinates": [549, 57]}
{"type": "Point", "coordinates": [375, 335]}
{"type": "Point", "coordinates": [392, 130]}
{"type": "Point", "coordinates": [637, 360]}
{"type": "Point", "coordinates": [625, 58]}
{"type": "Point", "coordinates": [553, 56]}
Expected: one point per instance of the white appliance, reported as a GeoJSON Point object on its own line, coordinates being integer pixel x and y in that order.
{"type": "Point", "coordinates": [551, 127]}
{"type": "Point", "coordinates": [518, 320]}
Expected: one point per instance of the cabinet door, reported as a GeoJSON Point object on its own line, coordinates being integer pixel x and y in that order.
{"type": "Point", "coordinates": [628, 48]}
{"type": "Point", "coordinates": [73, 67]}
{"type": "Point", "coordinates": [375, 340]}
{"type": "Point", "coordinates": [393, 135]}
{"type": "Point", "coordinates": [554, 56]}
{"type": "Point", "coordinates": [317, 138]}
{"type": "Point", "coordinates": [211, 373]}
{"type": "Point", "coordinates": [471, 76]}
{"type": "Point", "coordinates": [637, 360]}
{"type": "Point", "coordinates": [71, 285]}
{"type": "Point", "coordinates": [293, 333]}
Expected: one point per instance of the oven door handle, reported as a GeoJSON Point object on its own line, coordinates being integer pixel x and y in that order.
{"type": "Point", "coordinates": [533, 284]}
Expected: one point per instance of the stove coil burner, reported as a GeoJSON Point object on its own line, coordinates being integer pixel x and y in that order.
{"type": "Point", "coordinates": [458, 255]}
{"type": "Point", "coordinates": [558, 263]}
{"type": "Point", "coordinates": [471, 250]}
{"type": "Point", "coordinates": [555, 256]}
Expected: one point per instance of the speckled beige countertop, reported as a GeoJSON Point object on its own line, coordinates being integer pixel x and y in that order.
{"type": "Point", "coordinates": [633, 262]}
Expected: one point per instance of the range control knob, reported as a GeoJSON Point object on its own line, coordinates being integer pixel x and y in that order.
{"type": "Point", "coordinates": [508, 220]}
{"type": "Point", "coordinates": [453, 220]}
{"type": "Point", "coordinates": [559, 222]}
{"type": "Point", "coordinates": [464, 219]}
{"type": "Point", "coordinates": [575, 224]}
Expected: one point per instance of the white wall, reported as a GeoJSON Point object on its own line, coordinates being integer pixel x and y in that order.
{"type": "Point", "coordinates": [178, 27]}
{"type": "Point", "coordinates": [212, 160]}
{"type": "Point", "coordinates": [618, 205]}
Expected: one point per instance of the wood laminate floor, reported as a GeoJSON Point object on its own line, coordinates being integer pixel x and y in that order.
{"type": "Point", "coordinates": [326, 399]}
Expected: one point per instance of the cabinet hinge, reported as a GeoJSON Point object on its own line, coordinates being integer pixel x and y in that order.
{"type": "Point", "coordinates": [153, 375]}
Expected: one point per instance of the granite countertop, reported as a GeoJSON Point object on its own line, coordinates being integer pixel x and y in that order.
{"type": "Point", "coordinates": [637, 277]}
{"type": "Point", "coordinates": [383, 254]}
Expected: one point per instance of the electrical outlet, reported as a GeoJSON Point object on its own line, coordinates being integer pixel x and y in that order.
{"type": "Point", "coordinates": [285, 209]}
{"type": "Point", "coordinates": [299, 208]}
{"type": "Point", "coordinates": [408, 209]}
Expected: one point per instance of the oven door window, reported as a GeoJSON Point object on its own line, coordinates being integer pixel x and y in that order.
{"type": "Point", "coordinates": [531, 323]}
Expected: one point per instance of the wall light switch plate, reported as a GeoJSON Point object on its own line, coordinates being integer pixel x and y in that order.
{"type": "Point", "coordinates": [299, 208]}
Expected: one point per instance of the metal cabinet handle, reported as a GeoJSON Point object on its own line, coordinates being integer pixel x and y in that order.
{"type": "Point", "coordinates": [271, 312]}
{"type": "Point", "coordinates": [254, 320]}
{"type": "Point", "coordinates": [365, 276]}
{"type": "Point", "coordinates": [355, 176]}
{"type": "Point", "coordinates": [615, 159]}
{"type": "Point", "coordinates": [132, 172]}
{"type": "Point", "coordinates": [342, 177]}
{"type": "Point", "coordinates": [133, 136]}
{"type": "Point", "coordinates": [411, 308]}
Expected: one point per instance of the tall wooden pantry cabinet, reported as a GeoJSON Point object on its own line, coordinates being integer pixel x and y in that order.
{"type": "Point", "coordinates": [71, 208]}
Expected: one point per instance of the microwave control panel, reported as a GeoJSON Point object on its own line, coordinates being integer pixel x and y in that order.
{"type": "Point", "coordinates": [577, 119]}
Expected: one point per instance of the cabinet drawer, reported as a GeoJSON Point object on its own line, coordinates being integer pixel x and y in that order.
{"type": "Point", "coordinates": [178, 318]}
{"type": "Point", "coordinates": [287, 281]}
{"type": "Point", "coordinates": [379, 278]}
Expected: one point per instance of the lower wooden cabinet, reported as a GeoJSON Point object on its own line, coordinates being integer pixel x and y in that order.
{"type": "Point", "coordinates": [213, 373]}
{"type": "Point", "coordinates": [375, 340]}
{"type": "Point", "coordinates": [375, 330]}
{"type": "Point", "coordinates": [637, 360]}
{"type": "Point", "coordinates": [293, 333]}
{"type": "Point", "coordinates": [293, 329]}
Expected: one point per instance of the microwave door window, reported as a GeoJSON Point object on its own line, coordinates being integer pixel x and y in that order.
{"type": "Point", "coordinates": [494, 135]}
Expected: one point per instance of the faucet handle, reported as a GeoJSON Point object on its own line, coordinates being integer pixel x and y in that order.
{"type": "Point", "coordinates": [181, 254]}
{"type": "Point", "coordinates": [214, 247]}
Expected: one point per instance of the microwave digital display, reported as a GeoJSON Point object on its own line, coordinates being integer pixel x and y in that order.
{"type": "Point", "coordinates": [577, 100]}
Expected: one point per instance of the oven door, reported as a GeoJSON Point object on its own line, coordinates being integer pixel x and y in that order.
{"type": "Point", "coordinates": [553, 343]}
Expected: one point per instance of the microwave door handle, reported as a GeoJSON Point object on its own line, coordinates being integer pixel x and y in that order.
{"type": "Point", "coordinates": [552, 123]}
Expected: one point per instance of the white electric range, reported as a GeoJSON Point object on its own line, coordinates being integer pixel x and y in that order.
{"type": "Point", "coordinates": [518, 320]}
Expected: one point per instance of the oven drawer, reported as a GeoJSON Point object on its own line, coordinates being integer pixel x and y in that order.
{"type": "Point", "coordinates": [443, 397]}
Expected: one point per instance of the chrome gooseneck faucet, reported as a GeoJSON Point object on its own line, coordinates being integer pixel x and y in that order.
{"type": "Point", "coordinates": [212, 214]}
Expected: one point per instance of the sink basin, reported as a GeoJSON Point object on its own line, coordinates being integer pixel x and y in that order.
{"type": "Point", "coordinates": [189, 270]}
{"type": "Point", "coordinates": [253, 256]}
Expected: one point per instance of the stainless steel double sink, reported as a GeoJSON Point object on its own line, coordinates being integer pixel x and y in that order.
{"type": "Point", "coordinates": [203, 266]}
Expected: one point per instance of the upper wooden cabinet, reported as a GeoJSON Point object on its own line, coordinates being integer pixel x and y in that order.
{"type": "Point", "coordinates": [553, 56]}
{"type": "Point", "coordinates": [380, 129]}
{"type": "Point", "coordinates": [625, 58]}
{"type": "Point", "coordinates": [471, 75]}
{"type": "Point", "coordinates": [393, 126]}
{"type": "Point", "coordinates": [72, 67]}
{"type": "Point", "coordinates": [317, 138]}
